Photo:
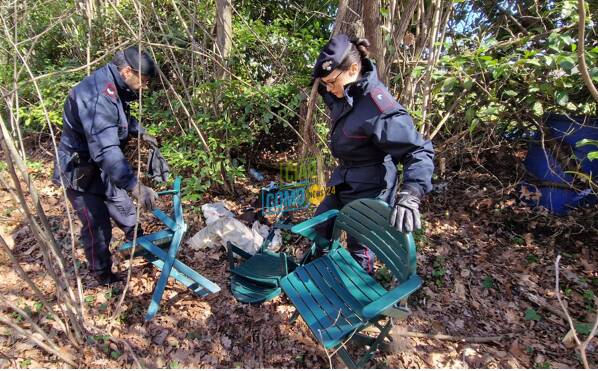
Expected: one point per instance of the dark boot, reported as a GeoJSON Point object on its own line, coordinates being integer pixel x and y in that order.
{"type": "Point", "coordinates": [107, 278]}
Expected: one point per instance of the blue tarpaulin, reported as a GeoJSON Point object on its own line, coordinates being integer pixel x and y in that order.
{"type": "Point", "coordinates": [557, 196]}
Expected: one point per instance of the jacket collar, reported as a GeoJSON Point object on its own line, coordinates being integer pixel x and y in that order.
{"type": "Point", "coordinates": [369, 80]}
{"type": "Point", "coordinates": [124, 92]}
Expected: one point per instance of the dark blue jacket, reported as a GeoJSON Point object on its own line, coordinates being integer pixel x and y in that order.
{"type": "Point", "coordinates": [371, 133]}
{"type": "Point", "coordinates": [96, 127]}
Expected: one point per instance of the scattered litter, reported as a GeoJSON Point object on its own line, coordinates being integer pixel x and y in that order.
{"type": "Point", "coordinates": [263, 231]}
{"type": "Point", "coordinates": [215, 211]}
{"type": "Point", "coordinates": [256, 175]}
{"type": "Point", "coordinates": [224, 230]}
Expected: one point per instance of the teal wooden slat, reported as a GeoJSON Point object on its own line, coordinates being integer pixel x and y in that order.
{"type": "Point", "coordinates": [161, 235]}
{"type": "Point", "coordinates": [181, 278]}
{"type": "Point", "coordinates": [182, 267]}
{"type": "Point", "coordinates": [166, 261]}
{"type": "Point", "coordinates": [161, 285]}
{"type": "Point", "coordinates": [165, 219]}
{"type": "Point", "coordinates": [176, 201]}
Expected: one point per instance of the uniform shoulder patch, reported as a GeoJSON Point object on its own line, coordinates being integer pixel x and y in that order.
{"type": "Point", "coordinates": [382, 99]}
{"type": "Point", "coordinates": [110, 91]}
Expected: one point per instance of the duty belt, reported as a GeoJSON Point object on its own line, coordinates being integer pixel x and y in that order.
{"type": "Point", "coordinates": [350, 164]}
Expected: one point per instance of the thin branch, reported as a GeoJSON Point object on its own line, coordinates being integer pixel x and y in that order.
{"type": "Point", "coordinates": [583, 67]}
{"type": "Point", "coordinates": [31, 336]}
{"type": "Point", "coordinates": [460, 339]}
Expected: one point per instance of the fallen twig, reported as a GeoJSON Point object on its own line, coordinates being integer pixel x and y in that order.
{"type": "Point", "coordinates": [542, 303]}
{"type": "Point", "coordinates": [581, 346]}
{"type": "Point", "coordinates": [461, 339]}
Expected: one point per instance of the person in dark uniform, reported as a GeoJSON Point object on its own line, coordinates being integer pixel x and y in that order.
{"type": "Point", "coordinates": [371, 133]}
{"type": "Point", "coordinates": [97, 176]}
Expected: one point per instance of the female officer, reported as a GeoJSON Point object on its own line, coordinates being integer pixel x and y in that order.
{"type": "Point", "coordinates": [370, 134]}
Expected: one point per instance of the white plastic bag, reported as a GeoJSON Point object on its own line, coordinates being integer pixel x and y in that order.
{"type": "Point", "coordinates": [215, 211]}
{"type": "Point", "coordinates": [223, 230]}
{"type": "Point", "coordinates": [263, 231]}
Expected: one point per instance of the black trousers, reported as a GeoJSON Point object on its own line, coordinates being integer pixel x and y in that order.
{"type": "Point", "coordinates": [94, 212]}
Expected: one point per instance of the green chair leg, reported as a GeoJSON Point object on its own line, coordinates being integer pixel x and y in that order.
{"type": "Point", "coordinates": [294, 317]}
{"type": "Point", "coordinates": [375, 345]}
{"type": "Point", "coordinates": [346, 358]}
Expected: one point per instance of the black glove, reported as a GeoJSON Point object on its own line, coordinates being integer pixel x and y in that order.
{"type": "Point", "coordinates": [145, 195]}
{"type": "Point", "coordinates": [405, 214]}
{"type": "Point", "coordinates": [149, 139]}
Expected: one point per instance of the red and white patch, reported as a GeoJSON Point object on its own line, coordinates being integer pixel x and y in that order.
{"type": "Point", "coordinates": [382, 99]}
{"type": "Point", "coordinates": [110, 91]}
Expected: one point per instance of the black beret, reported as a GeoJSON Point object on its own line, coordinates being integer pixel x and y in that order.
{"type": "Point", "coordinates": [144, 65]}
{"type": "Point", "coordinates": [331, 55]}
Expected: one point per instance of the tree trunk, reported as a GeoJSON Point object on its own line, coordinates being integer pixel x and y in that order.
{"type": "Point", "coordinates": [224, 35]}
{"type": "Point", "coordinates": [351, 23]}
{"type": "Point", "coordinates": [373, 32]}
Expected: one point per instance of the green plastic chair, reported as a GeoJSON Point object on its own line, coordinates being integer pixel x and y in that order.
{"type": "Point", "coordinates": [257, 278]}
{"type": "Point", "coordinates": [336, 297]}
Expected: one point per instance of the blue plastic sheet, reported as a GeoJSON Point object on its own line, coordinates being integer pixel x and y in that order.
{"type": "Point", "coordinates": [543, 165]}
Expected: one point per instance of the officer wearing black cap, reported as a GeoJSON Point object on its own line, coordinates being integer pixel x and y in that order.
{"type": "Point", "coordinates": [371, 133]}
{"type": "Point", "coordinates": [96, 126]}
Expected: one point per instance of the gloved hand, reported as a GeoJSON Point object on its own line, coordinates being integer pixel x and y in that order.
{"type": "Point", "coordinates": [145, 195]}
{"type": "Point", "coordinates": [405, 214]}
{"type": "Point", "coordinates": [149, 139]}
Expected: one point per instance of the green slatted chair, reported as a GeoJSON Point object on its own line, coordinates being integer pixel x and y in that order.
{"type": "Point", "coordinates": [336, 297]}
{"type": "Point", "coordinates": [257, 278]}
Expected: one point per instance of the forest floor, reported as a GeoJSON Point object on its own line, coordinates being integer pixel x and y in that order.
{"type": "Point", "coordinates": [486, 260]}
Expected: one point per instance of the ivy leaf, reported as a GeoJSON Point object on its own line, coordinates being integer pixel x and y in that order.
{"type": "Point", "coordinates": [583, 328]}
{"type": "Point", "coordinates": [532, 315]}
{"type": "Point", "coordinates": [511, 93]}
{"type": "Point", "coordinates": [470, 114]}
{"type": "Point", "coordinates": [538, 109]}
{"type": "Point", "coordinates": [567, 63]}
{"type": "Point", "coordinates": [593, 155]}
{"type": "Point", "coordinates": [488, 282]}
{"type": "Point", "coordinates": [469, 83]}
{"type": "Point", "coordinates": [473, 125]}
{"type": "Point", "coordinates": [417, 71]}
{"type": "Point", "coordinates": [587, 142]}
{"type": "Point", "coordinates": [449, 84]}
{"type": "Point", "coordinates": [562, 98]}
